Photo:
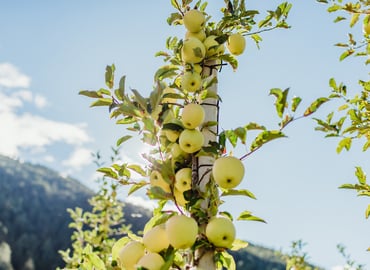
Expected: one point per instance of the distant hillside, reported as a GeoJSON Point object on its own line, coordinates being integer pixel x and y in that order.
{"type": "Point", "coordinates": [34, 221]}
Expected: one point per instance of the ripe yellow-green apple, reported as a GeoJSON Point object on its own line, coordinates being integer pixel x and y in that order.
{"type": "Point", "coordinates": [192, 115]}
{"type": "Point", "coordinates": [169, 90]}
{"type": "Point", "coordinates": [172, 135]}
{"type": "Point", "coordinates": [151, 261]}
{"type": "Point", "coordinates": [181, 231]}
{"type": "Point", "coordinates": [366, 25]}
{"type": "Point", "coordinates": [191, 81]}
{"type": "Point", "coordinates": [213, 48]}
{"type": "Point", "coordinates": [179, 197]}
{"type": "Point", "coordinates": [156, 240]}
{"type": "Point", "coordinates": [191, 140]}
{"type": "Point", "coordinates": [201, 35]}
{"type": "Point", "coordinates": [236, 44]}
{"type": "Point", "coordinates": [193, 50]}
{"type": "Point", "coordinates": [194, 20]}
{"type": "Point", "coordinates": [156, 180]}
{"type": "Point", "coordinates": [228, 172]}
{"type": "Point", "coordinates": [130, 254]}
{"type": "Point", "coordinates": [183, 179]}
{"type": "Point", "coordinates": [220, 231]}
{"type": "Point", "coordinates": [176, 150]}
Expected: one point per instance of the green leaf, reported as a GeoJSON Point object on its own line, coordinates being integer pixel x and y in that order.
{"type": "Point", "coordinates": [102, 102]}
{"type": "Point", "coordinates": [108, 172]}
{"type": "Point", "coordinates": [361, 176]}
{"type": "Point", "coordinates": [92, 94]}
{"type": "Point", "coordinates": [254, 126]}
{"type": "Point", "coordinates": [165, 72]}
{"type": "Point", "coordinates": [228, 261]}
{"type": "Point", "coordinates": [344, 143]}
{"type": "Point", "coordinates": [137, 186]}
{"type": "Point", "coordinates": [241, 133]}
{"type": "Point", "coordinates": [121, 87]}
{"type": "Point", "coordinates": [334, 8]}
{"type": "Point", "coordinates": [140, 99]}
{"type": "Point", "coordinates": [247, 215]}
{"type": "Point", "coordinates": [354, 19]}
{"type": "Point", "coordinates": [281, 97]}
{"type": "Point", "coordinates": [265, 137]}
{"type": "Point", "coordinates": [109, 76]}
{"type": "Point", "coordinates": [138, 169]}
{"type": "Point", "coordinates": [315, 105]}
{"type": "Point", "coordinates": [367, 212]}
{"type": "Point", "coordinates": [348, 186]}
{"type": "Point", "coordinates": [241, 192]}
{"type": "Point", "coordinates": [96, 261]}
{"type": "Point", "coordinates": [118, 245]}
{"type": "Point", "coordinates": [345, 54]}
{"type": "Point", "coordinates": [123, 139]}
{"type": "Point", "coordinates": [239, 244]}
{"type": "Point", "coordinates": [231, 136]}
{"type": "Point", "coordinates": [295, 103]}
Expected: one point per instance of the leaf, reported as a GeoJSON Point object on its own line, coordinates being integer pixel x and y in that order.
{"type": "Point", "coordinates": [344, 143]}
{"type": "Point", "coordinates": [367, 212]}
{"type": "Point", "coordinates": [241, 192]}
{"type": "Point", "coordinates": [254, 126]}
{"type": "Point", "coordinates": [334, 8]}
{"type": "Point", "coordinates": [295, 103]}
{"type": "Point", "coordinates": [108, 172]}
{"type": "Point", "coordinates": [165, 72]}
{"type": "Point", "coordinates": [138, 169]}
{"type": "Point", "coordinates": [348, 186]}
{"type": "Point", "coordinates": [281, 97]}
{"type": "Point", "coordinates": [345, 54]}
{"type": "Point", "coordinates": [361, 176]}
{"type": "Point", "coordinates": [354, 19]}
{"type": "Point", "coordinates": [118, 245]}
{"type": "Point", "coordinates": [140, 99]}
{"type": "Point", "coordinates": [228, 261]}
{"type": "Point", "coordinates": [247, 215]}
{"type": "Point", "coordinates": [121, 87]}
{"type": "Point", "coordinates": [92, 94]}
{"type": "Point", "coordinates": [231, 136]}
{"type": "Point", "coordinates": [265, 137]}
{"type": "Point", "coordinates": [315, 105]}
{"type": "Point", "coordinates": [137, 186]}
{"type": "Point", "coordinates": [241, 133]}
{"type": "Point", "coordinates": [239, 244]}
{"type": "Point", "coordinates": [102, 102]}
{"type": "Point", "coordinates": [123, 139]}
{"type": "Point", "coordinates": [109, 75]}
{"type": "Point", "coordinates": [96, 261]}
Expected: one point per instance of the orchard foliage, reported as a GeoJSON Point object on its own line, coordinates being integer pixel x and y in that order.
{"type": "Point", "coordinates": [351, 121]}
{"type": "Point", "coordinates": [189, 77]}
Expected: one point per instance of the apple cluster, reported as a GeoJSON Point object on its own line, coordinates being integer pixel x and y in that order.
{"type": "Point", "coordinates": [181, 139]}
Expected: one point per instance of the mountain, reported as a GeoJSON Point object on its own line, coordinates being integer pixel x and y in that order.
{"type": "Point", "coordinates": [34, 221]}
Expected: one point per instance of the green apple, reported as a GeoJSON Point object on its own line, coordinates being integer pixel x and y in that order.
{"type": "Point", "coordinates": [193, 50]}
{"type": "Point", "coordinates": [130, 254]}
{"type": "Point", "coordinates": [151, 261]}
{"type": "Point", "coordinates": [236, 44]}
{"type": "Point", "coordinates": [176, 150]}
{"type": "Point", "coordinates": [156, 240]}
{"type": "Point", "coordinates": [228, 172]}
{"type": "Point", "coordinates": [169, 90]}
{"type": "Point", "coordinates": [183, 179]}
{"type": "Point", "coordinates": [213, 48]}
{"type": "Point", "coordinates": [201, 35]}
{"type": "Point", "coordinates": [179, 197]}
{"type": "Point", "coordinates": [156, 180]}
{"type": "Point", "coordinates": [191, 140]}
{"type": "Point", "coordinates": [194, 20]}
{"type": "Point", "coordinates": [181, 231]}
{"type": "Point", "coordinates": [220, 231]}
{"type": "Point", "coordinates": [191, 81]}
{"type": "Point", "coordinates": [172, 135]}
{"type": "Point", "coordinates": [192, 115]}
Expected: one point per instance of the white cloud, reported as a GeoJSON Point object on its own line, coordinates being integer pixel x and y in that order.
{"type": "Point", "coordinates": [341, 267]}
{"type": "Point", "coordinates": [140, 201]}
{"type": "Point", "coordinates": [40, 101]}
{"type": "Point", "coordinates": [79, 158]}
{"type": "Point", "coordinates": [11, 77]}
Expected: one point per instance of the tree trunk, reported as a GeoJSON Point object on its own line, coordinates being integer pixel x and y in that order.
{"type": "Point", "coordinates": [210, 105]}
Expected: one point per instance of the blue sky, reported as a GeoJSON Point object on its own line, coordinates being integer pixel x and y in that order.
{"type": "Point", "coordinates": [50, 50]}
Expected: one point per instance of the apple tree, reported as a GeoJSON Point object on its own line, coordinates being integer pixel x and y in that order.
{"type": "Point", "coordinates": [190, 170]}
{"type": "Point", "coordinates": [351, 121]}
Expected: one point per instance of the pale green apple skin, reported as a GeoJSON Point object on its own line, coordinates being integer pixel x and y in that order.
{"type": "Point", "coordinates": [179, 197]}
{"type": "Point", "coordinates": [211, 50]}
{"type": "Point", "coordinates": [191, 81]}
{"type": "Point", "coordinates": [183, 179]}
{"type": "Point", "coordinates": [228, 172]}
{"type": "Point", "coordinates": [181, 231]}
{"type": "Point", "coordinates": [192, 115]}
{"type": "Point", "coordinates": [156, 240]}
{"type": "Point", "coordinates": [172, 135]}
{"type": "Point", "coordinates": [220, 231]}
{"type": "Point", "coordinates": [130, 254]}
{"type": "Point", "coordinates": [194, 20]}
{"type": "Point", "coordinates": [193, 51]}
{"type": "Point", "coordinates": [151, 261]}
{"type": "Point", "coordinates": [236, 44]}
{"type": "Point", "coordinates": [201, 35]}
{"type": "Point", "coordinates": [191, 140]}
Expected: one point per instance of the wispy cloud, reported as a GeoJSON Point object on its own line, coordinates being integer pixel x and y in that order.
{"type": "Point", "coordinates": [28, 131]}
{"type": "Point", "coordinates": [11, 77]}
